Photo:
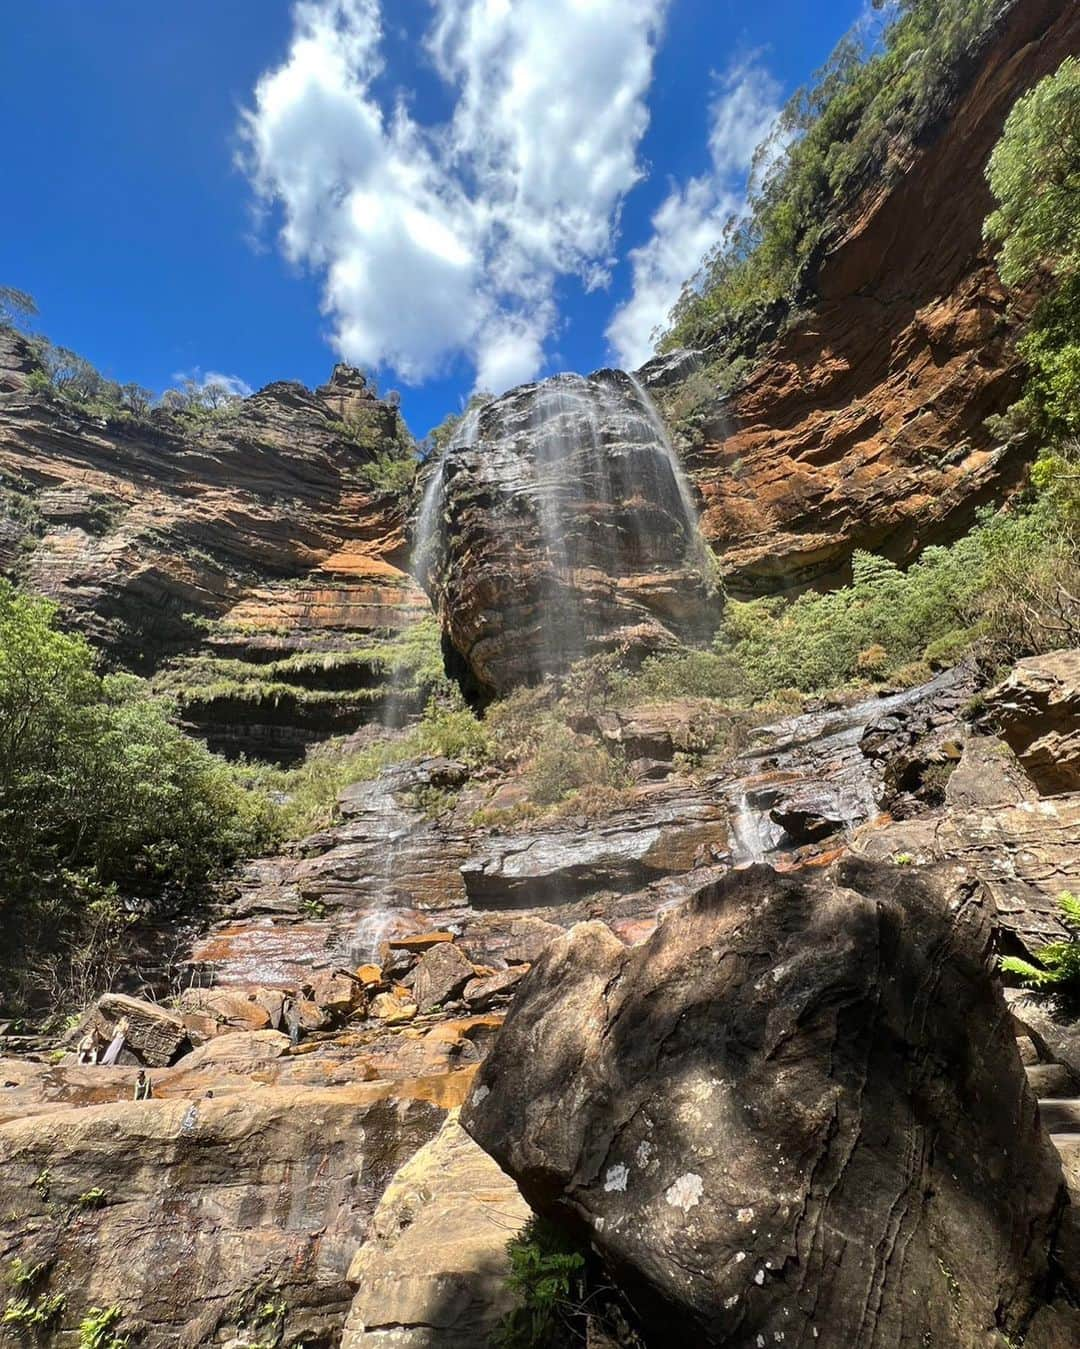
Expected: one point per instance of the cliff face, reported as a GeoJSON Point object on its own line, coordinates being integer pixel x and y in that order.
{"type": "Point", "coordinates": [863, 426]}
{"type": "Point", "coordinates": [214, 555]}
{"type": "Point", "coordinates": [558, 523]}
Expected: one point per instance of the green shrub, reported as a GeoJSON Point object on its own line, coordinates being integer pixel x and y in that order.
{"type": "Point", "coordinates": [565, 762]}
{"type": "Point", "coordinates": [96, 1329]}
{"type": "Point", "coordinates": [547, 1275]}
{"type": "Point", "coordinates": [1034, 174]}
{"type": "Point", "coordinates": [1057, 975]}
{"type": "Point", "coordinates": [1011, 586]}
{"type": "Point", "coordinates": [105, 806]}
{"type": "Point", "coordinates": [309, 792]}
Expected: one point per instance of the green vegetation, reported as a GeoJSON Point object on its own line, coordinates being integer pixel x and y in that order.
{"type": "Point", "coordinates": [1034, 174]}
{"type": "Point", "coordinates": [34, 1314]}
{"type": "Point", "coordinates": [440, 436]}
{"type": "Point", "coordinates": [1057, 975]}
{"type": "Point", "coordinates": [310, 791]}
{"type": "Point", "coordinates": [405, 665]}
{"type": "Point", "coordinates": [391, 467]}
{"type": "Point", "coordinates": [106, 808]}
{"type": "Point", "coordinates": [547, 1275]}
{"type": "Point", "coordinates": [1010, 587]}
{"type": "Point", "coordinates": [96, 1329]}
{"type": "Point", "coordinates": [92, 1199]}
{"type": "Point", "coordinates": [17, 308]}
{"type": "Point", "coordinates": [854, 124]}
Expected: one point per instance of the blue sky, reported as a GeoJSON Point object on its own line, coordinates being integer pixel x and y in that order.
{"type": "Point", "coordinates": [472, 189]}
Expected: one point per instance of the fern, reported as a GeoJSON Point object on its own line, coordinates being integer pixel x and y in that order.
{"type": "Point", "coordinates": [547, 1275]}
{"type": "Point", "coordinates": [1058, 972]}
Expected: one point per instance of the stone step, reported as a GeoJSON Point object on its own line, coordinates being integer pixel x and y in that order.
{"type": "Point", "coordinates": [1061, 1116]}
{"type": "Point", "coordinates": [1051, 1080]}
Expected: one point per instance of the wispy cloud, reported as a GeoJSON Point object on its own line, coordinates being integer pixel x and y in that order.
{"type": "Point", "coordinates": [691, 219]}
{"type": "Point", "coordinates": [231, 384]}
{"type": "Point", "coordinates": [437, 241]}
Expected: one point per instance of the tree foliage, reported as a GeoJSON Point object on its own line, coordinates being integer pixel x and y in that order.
{"type": "Point", "coordinates": [1011, 584]}
{"type": "Point", "coordinates": [17, 307]}
{"type": "Point", "coordinates": [106, 808]}
{"type": "Point", "coordinates": [1034, 174]}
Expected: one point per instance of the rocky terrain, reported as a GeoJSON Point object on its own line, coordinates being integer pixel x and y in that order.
{"type": "Point", "coordinates": [832, 442]}
{"type": "Point", "coordinates": [736, 1028]}
{"type": "Point", "coordinates": [301, 1151]}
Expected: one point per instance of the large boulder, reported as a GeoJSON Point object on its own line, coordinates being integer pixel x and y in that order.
{"type": "Point", "coordinates": [1037, 710]}
{"type": "Point", "coordinates": [155, 1035]}
{"type": "Point", "coordinates": [432, 1272]}
{"type": "Point", "coordinates": [796, 1114]}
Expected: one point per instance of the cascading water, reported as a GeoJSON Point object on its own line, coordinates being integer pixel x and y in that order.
{"type": "Point", "coordinates": [558, 521]}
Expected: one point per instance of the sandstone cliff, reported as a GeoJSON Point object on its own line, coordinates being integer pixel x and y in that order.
{"type": "Point", "coordinates": [251, 551]}
{"type": "Point", "coordinates": [863, 425]}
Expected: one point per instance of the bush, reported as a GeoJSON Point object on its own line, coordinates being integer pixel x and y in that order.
{"type": "Point", "coordinates": [105, 806]}
{"type": "Point", "coordinates": [564, 763]}
{"type": "Point", "coordinates": [1011, 586]}
{"type": "Point", "coordinates": [309, 792]}
{"type": "Point", "coordinates": [547, 1275]}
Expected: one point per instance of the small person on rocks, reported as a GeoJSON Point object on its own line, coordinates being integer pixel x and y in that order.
{"type": "Point", "coordinates": [290, 1014]}
{"type": "Point", "coordinates": [144, 1088]}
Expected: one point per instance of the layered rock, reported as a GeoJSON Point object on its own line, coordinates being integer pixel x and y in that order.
{"type": "Point", "coordinates": [252, 547]}
{"type": "Point", "coordinates": [864, 424]}
{"type": "Point", "coordinates": [205, 1215]}
{"type": "Point", "coordinates": [557, 524]}
{"type": "Point", "coordinates": [772, 1121]}
{"type": "Point", "coordinates": [1037, 710]}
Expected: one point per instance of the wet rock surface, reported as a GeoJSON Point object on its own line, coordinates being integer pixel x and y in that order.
{"type": "Point", "coordinates": [557, 524]}
{"type": "Point", "coordinates": [766, 1117]}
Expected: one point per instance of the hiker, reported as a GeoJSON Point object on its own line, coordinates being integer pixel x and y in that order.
{"type": "Point", "coordinates": [120, 1034]}
{"type": "Point", "coordinates": [144, 1088]}
{"type": "Point", "coordinates": [89, 1048]}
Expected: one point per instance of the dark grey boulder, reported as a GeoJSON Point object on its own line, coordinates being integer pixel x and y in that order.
{"type": "Point", "coordinates": [795, 1116]}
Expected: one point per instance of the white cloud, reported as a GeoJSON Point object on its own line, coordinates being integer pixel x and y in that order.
{"type": "Point", "coordinates": [438, 240]}
{"type": "Point", "coordinates": [232, 384]}
{"type": "Point", "coordinates": [691, 219]}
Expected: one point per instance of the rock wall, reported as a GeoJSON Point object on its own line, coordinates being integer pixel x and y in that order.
{"type": "Point", "coordinates": [863, 426]}
{"type": "Point", "coordinates": [249, 555]}
{"type": "Point", "coordinates": [557, 524]}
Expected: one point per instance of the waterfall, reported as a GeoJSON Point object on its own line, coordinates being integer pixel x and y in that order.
{"type": "Point", "coordinates": [703, 555]}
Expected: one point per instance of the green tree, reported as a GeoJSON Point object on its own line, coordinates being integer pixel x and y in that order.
{"type": "Point", "coordinates": [106, 808]}
{"type": "Point", "coordinates": [16, 307]}
{"type": "Point", "coordinates": [1034, 173]}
